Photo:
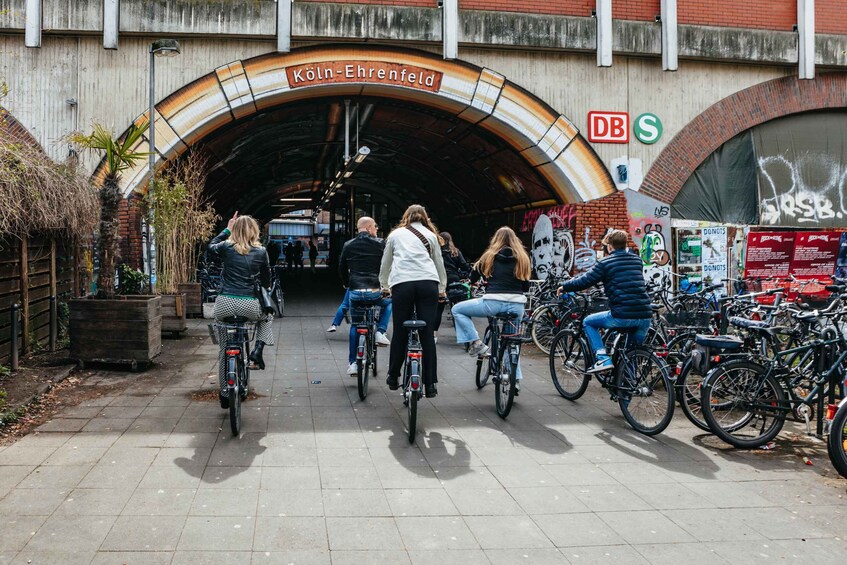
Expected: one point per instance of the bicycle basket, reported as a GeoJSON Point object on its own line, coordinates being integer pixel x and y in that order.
{"type": "Point", "coordinates": [359, 313]}
{"type": "Point", "coordinates": [230, 334]}
{"type": "Point", "coordinates": [700, 319]}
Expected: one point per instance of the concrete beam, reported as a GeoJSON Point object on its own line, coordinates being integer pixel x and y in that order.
{"type": "Point", "coordinates": [111, 23]}
{"type": "Point", "coordinates": [670, 36]}
{"type": "Point", "coordinates": [32, 36]}
{"type": "Point", "coordinates": [450, 28]}
{"type": "Point", "coordinates": [730, 44]}
{"type": "Point", "coordinates": [604, 33]}
{"type": "Point", "coordinates": [806, 38]}
{"type": "Point", "coordinates": [283, 26]}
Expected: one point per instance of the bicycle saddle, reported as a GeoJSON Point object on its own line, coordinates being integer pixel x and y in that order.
{"type": "Point", "coordinates": [728, 342]}
{"type": "Point", "coordinates": [749, 324]}
{"type": "Point", "coordinates": [235, 319]}
{"type": "Point", "coordinates": [506, 316]}
{"type": "Point", "coordinates": [414, 324]}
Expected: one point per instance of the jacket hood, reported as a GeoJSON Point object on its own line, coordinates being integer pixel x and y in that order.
{"type": "Point", "coordinates": [506, 254]}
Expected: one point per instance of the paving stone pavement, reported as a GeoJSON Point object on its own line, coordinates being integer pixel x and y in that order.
{"type": "Point", "coordinates": [148, 475]}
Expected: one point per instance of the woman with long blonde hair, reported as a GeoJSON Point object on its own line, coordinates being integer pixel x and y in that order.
{"type": "Point", "coordinates": [244, 261]}
{"type": "Point", "coordinates": [413, 269]}
{"type": "Point", "coordinates": [506, 267]}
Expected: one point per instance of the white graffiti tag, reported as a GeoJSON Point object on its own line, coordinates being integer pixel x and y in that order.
{"type": "Point", "coordinates": [815, 194]}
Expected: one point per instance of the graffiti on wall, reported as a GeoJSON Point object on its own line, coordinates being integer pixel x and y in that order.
{"type": "Point", "coordinates": [585, 255]}
{"type": "Point", "coordinates": [552, 243]}
{"type": "Point", "coordinates": [808, 190]}
{"type": "Point", "coordinates": [649, 227]}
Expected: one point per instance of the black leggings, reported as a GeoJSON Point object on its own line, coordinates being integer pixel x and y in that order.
{"type": "Point", "coordinates": [405, 299]}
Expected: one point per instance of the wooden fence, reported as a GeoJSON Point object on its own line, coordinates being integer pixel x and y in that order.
{"type": "Point", "coordinates": [31, 271]}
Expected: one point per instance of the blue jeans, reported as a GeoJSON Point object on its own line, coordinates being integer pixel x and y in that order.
{"type": "Point", "coordinates": [357, 296]}
{"type": "Point", "coordinates": [345, 306]}
{"type": "Point", "coordinates": [481, 308]}
{"type": "Point", "coordinates": [594, 322]}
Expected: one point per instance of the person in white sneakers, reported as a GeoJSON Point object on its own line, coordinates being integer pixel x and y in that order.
{"type": "Point", "coordinates": [358, 267]}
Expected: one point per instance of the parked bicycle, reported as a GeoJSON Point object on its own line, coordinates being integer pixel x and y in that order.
{"type": "Point", "coordinates": [504, 338]}
{"type": "Point", "coordinates": [365, 316]}
{"type": "Point", "coordinates": [236, 332]}
{"type": "Point", "coordinates": [276, 293]}
{"type": "Point", "coordinates": [837, 440]}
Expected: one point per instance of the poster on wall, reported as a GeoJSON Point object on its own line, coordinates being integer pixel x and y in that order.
{"type": "Point", "coordinates": [714, 256]}
{"type": "Point", "coordinates": [688, 246]}
{"type": "Point", "coordinates": [815, 255]}
{"type": "Point", "coordinates": [552, 242]}
{"type": "Point", "coordinates": [769, 254]}
{"type": "Point", "coordinates": [841, 261]}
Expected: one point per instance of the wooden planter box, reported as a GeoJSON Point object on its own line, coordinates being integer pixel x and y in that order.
{"type": "Point", "coordinates": [173, 313]}
{"type": "Point", "coordinates": [126, 330]}
{"type": "Point", "coordinates": [193, 299]}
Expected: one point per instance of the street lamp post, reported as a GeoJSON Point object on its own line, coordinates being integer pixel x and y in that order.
{"type": "Point", "coordinates": [159, 48]}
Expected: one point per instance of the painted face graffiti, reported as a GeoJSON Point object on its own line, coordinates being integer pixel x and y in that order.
{"type": "Point", "coordinates": [542, 247]}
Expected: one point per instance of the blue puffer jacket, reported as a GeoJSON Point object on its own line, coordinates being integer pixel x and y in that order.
{"type": "Point", "coordinates": [623, 282]}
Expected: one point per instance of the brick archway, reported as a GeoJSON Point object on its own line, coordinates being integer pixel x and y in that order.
{"type": "Point", "coordinates": [733, 115]}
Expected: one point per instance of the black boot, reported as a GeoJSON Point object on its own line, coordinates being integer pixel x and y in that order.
{"type": "Point", "coordinates": [431, 390]}
{"type": "Point", "coordinates": [392, 383]}
{"type": "Point", "coordinates": [224, 400]}
{"type": "Point", "coordinates": [256, 356]}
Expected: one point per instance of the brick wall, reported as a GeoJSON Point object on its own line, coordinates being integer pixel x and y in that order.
{"type": "Point", "coordinates": [644, 10]}
{"type": "Point", "coordinates": [600, 215]}
{"type": "Point", "coordinates": [733, 115]}
{"type": "Point", "coordinates": [756, 14]}
{"type": "Point", "coordinates": [130, 233]}
{"type": "Point", "coordinates": [831, 16]}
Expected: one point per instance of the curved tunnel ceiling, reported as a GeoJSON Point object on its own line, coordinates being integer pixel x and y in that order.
{"type": "Point", "coordinates": [272, 125]}
{"type": "Point", "coordinates": [417, 154]}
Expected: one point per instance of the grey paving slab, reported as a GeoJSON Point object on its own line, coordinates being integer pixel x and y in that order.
{"type": "Point", "coordinates": [159, 502]}
{"type": "Point", "coordinates": [369, 533]}
{"type": "Point", "coordinates": [576, 530]}
{"type": "Point", "coordinates": [611, 555]}
{"type": "Point", "coordinates": [484, 502]}
{"type": "Point", "coordinates": [205, 533]}
{"type": "Point", "coordinates": [66, 476]}
{"type": "Point", "coordinates": [283, 503]}
{"type": "Point", "coordinates": [134, 557]}
{"type": "Point", "coordinates": [224, 502]}
{"type": "Point", "coordinates": [18, 531]}
{"type": "Point", "coordinates": [274, 534]}
{"type": "Point", "coordinates": [676, 553]}
{"type": "Point", "coordinates": [63, 556]}
{"type": "Point", "coordinates": [94, 502]}
{"type": "Point", "coordinates": [507, 532]}
{"type": "Point", "coordinates": [71, 533]}
{"type": "Point", "coordinates": [143, 533]}
{"type": "Point", "coordinates": [295, 557]}
{"type": "Point", "coordinates": [449, 557]}
{"type": "Point", "coordinates": [448, 532]}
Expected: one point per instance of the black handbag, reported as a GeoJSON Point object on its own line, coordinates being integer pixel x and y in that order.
{"type": "Point", "coordinates": [262, 294]}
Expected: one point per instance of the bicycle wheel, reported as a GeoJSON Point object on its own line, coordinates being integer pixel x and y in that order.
{"type": "Point", "coordinates": [362, 369]}
{"type": "Point", "coordinates": [679, 348]}
{"type": "Point", "coordinates": [504, 382]}
{"type": "Point", "coordinates": [483, 364]}
{"type": "Point", "coordinates": [279, 300]}
{"type": "Point", "coordinates": [234, 367]}
{"type": "Point", "coordinates": [837, 441]}
{"type": "Point", "coordinates": [412, 400]}
{"type": "Point", "coordinates": [569, 359]}
{"type": "Point", "coordinates": [544, 327]}
{"type": "Point", "coordinates": [374, 349]}
{"type": "Point", "coordinates": [689, 393]}
{"type": "Point", "coordinates": [743, 404]}
{"type": "Point", "coordinates": [645, 391]}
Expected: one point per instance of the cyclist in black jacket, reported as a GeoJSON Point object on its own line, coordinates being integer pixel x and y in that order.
{"type": "Point", "coordinates": [456, 269]}
{"type": "Point", "coordinates": [358, 266]}
{"type": "Point", "coordinates": [622, 276]}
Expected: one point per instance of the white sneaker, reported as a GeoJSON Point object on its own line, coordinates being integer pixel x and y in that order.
{"type": "Point", "coordinates": [353, 369]}
{"type": "Point", "coordinates": [381, 340]}
{"type": "Point", "coordinates": [331, 329]}
{"type": "Point", "coordinates": [478, 350]}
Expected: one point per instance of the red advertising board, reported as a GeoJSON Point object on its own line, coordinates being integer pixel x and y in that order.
{"type": "Point", "coordinates": [608, 127]}
{"type": "Point", "coordinates": [769, 254]}
{"type": "Point", "coordinates": [814, 258]}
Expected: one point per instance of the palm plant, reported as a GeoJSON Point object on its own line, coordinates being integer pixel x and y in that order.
{"type": "Point", "coordinates": [119, 156]}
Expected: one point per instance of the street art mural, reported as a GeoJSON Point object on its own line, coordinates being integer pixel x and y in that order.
{"type": "Point", "coordinates": [585, 255]}
{"type": "Point", "coordinates": [650, 229]}
{"type": "Point", "coordinates": [808, 190]}
{"type": "Point", "coordinates": [552, 242]}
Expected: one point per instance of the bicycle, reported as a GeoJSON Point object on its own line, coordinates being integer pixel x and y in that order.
{"type": "Point", "coordinates": [413, 388]}
{"type": "Point", "coordinates": [501, 363]}
{"type": "Point", "coordinates": [365, 316]}
{"type": "Point", "coordinates": [640, 381]}
{"type": "Point", "coordinates": [836, 443]}
{"type": "Point", "coordinates": [237, 333]}
{"type": "Point", "coordinates": [276, 293]}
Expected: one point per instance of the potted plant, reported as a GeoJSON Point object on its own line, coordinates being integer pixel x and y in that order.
{"type": "Point", "coordinates": [108, 328]}
{"type": "Point", "coordinates": [183, 220]}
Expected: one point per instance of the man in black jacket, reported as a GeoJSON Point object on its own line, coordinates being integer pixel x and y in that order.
{"type": "Point", "coordinates": [622, 275]}
{"type": "Point", "coordinates": [358, 266]}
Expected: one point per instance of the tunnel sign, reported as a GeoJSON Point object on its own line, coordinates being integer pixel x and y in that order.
{"type": "Point", "coordinates": [375, 72]}
{"type": "Point", "coordinates": [608, 127]}
{"type": "Point", "coordinates": [647, 128]}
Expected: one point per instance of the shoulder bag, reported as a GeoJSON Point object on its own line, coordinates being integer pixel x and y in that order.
{"type": "Point", "coordinates": [261, 293]}
{"type": "Point", "coordinates": [421, 237]}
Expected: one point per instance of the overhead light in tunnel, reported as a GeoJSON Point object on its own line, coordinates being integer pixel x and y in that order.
{"type": "Point", "coordinates": [362, 153]}
{"type": "Point", "coordinates": [295, 199]}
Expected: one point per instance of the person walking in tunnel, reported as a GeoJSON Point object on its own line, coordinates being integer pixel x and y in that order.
{"type": "Point", "coordinates": [456, 269]}
{"type": "Point", "coordinates": [622, 276]}
{"type": "Point", "coordinates": [298, 254]}
{"type": "Point", "coordinates": [358, 266]}
{"type": "Point", "coordinates": [288, 250]}
{"type": "Point", "coordinates": [413, 270]}
{"type": "Point", "coordinates": [244, 261]}
{"type": "Point", "coordinates": [313, 255]}
{"type": "Point", "coordinates": [506, 266]}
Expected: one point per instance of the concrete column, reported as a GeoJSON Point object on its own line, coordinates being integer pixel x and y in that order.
{"type": "Point", "coordinates": [670, 42]}
{"type": "Point", "coordinates": [450, 28]}
{"type": "Point", "coordinates": [111, 23]}
{"type": "Point", "coordinates": [806, 44]}
{"type": "Point", "coordinates": [283, 26]}
{"type": "Point", "coordinates": [33, 23]}
{"type": "Point", "coordinates": [603, 13]}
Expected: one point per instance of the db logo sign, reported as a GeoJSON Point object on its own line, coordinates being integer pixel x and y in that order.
{"type": "Point", "coordinates": [608, 127]}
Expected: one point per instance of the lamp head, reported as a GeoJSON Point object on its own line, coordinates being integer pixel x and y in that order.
{"type": "Point", "coordinates": [165, 48]}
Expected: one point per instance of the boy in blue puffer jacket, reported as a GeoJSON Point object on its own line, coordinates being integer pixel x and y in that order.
{"type": "Point", "coordinates": [621, 273]}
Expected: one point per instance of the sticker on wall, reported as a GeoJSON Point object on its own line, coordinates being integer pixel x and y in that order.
{"type": "Point", "coordinates": [647, 128]}
{"type": "Point", "coordinates": [627, 173]}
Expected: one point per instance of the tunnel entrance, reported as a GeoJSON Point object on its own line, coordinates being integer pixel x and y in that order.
{"type": "Point", "coordinates": [460, 139]}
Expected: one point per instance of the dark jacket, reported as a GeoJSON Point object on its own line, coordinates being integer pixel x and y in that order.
{"type": "Point", "coordinates": [455, 267]}
{"type": "Point", "coordinates": [240, 270]}
{"type": "Point", "coordinates": [622, 276]}
{"type": "Point", "coordinates": [360, 261]}
{"type": "Point", "coordinates": [503, 279]}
